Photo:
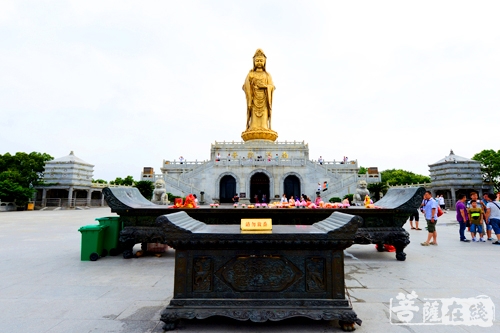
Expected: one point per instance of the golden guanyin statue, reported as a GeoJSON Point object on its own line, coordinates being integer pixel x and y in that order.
{"type": "Point", "coordinates": [259, 89]}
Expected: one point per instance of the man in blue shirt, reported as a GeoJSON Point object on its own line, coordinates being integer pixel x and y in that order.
{"type": "Point", "coordinates": [430, 207]}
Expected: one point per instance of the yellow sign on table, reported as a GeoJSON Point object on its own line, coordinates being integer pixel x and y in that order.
{"type": "Point", "coordinates": [257, 224]}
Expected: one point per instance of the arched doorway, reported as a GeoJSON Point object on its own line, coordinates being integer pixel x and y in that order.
{"type": "Point", "coordinates": [227, 189]}
{"type": "Point", "coordinates": [259, 185]}
{"type": "Point", "coordinates": [291, 186]}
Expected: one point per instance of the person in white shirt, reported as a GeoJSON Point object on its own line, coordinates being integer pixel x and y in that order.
{"type": "Point", "coordinates": [284, 199]}
{"type": "Point", "coordinates": [441, 202]}
{"type": "Point", "coordinates": [181, 160]}
{"type": "Point", "coordinates": [493, 215]}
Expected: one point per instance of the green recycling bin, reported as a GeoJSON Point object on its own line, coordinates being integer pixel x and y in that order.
{"type": "Point", "coordinates": [111, 243]}
{"type": "Point", "coordinates": [92, 241]}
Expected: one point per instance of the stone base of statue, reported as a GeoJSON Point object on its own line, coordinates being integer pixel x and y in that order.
{"type": "Point", "coordinates": [259, 134]}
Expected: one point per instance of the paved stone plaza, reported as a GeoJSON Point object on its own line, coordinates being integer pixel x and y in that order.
{"type": "Point", "coordinates": [44, 287]}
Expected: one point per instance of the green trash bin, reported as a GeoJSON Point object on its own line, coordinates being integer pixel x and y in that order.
{"type": "Point", "coordinates": [92, 237]}
{"type": "Point", "coordinates": [111, 243]}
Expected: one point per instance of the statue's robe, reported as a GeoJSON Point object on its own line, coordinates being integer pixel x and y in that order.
{"type": "Point", "coordinates": [259, 99]}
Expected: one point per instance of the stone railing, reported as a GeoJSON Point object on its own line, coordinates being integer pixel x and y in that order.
{"type": "Point", "coordinates": [75, 202]}
{"type": "Point", "coordinates": [275, 143]}
{"type": "Point", "coordinates": [264, 160]}
{"type": "Point", "coordinates": [424, 185]}
{"type": "Point", "coordinates": [353, 163]}
{"type": "Point", "coordinates": [180, 184]}
{"type": "Point", "coordinates": [99, 185]}
{"type": "Point", "coordinates": [261, 162]}
{"type": "Point", "coordinates": [185, 164]}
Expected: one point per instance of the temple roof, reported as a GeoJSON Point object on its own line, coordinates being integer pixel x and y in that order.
{"type": "Point", "coordinates": [453, 158]}
{"type": "Point", "coordinates": [71, 158]}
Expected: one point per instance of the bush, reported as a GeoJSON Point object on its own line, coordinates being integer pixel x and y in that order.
{"type": "Point", "coordinates": [146, 188]}
{"type": "Point", "coordinates": [335, 199]}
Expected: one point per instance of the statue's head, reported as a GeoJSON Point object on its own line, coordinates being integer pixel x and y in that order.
{"type": "Point", "coordinates": [362, 184]}
{"type": "Point", "coordinates": [159, 183]}
{"type": "Point", "coordinates": [259, 60]}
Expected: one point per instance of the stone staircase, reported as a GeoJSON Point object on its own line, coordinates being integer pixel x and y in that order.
{"type": "Point", "coordinates": [339, 185]}
{"type": "Point", "coordinates": [199, 169]}
{"type": "Point", "coordinates": [180, 185]}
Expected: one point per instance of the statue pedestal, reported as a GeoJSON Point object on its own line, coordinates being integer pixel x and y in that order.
{"type": "Point", "coordinates": [260, 134]}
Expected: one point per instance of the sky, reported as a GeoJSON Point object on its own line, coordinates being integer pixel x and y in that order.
{"type": "Point", "coordinates": [128, 84]}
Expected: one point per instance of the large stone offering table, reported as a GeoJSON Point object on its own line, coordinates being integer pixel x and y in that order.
{"type": "Point", "coordinates": [379, 226]}
{"type": "Point", "coordinates": [291, 271]}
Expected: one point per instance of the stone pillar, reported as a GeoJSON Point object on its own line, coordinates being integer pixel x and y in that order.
{"type": "Point", "coordinates": [89, 197]}
{"type": "Point", "coordinates": [70, 196]}
{"type": "Point", "coordinates": [44, 197]}
{"type": "Point", "coordinates": [453, 196]}
{"type": "Point", "coordinates": [243, 189]}
{"type": "Point", "coordinates": [202, 198]}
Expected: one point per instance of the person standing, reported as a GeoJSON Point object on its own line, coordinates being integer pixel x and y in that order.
{"type": "Point", "coordinates": [236, 198]}
{"type": "Point", "coordinates": [320, 160]}
{"type": "Point", "coordinates": [430, 210]}
{"type": "Point", "coordinates": [475, 197]}
{"type": "Point", "coordinates": [493, 215]}
{"type": "Point", "coordinates": [476, 221]}
{"type": "Point", "coordinates": [414, 216]}
{"type": "Point", "coordinates": [487, 226]}
{"type": "Point", "coordinates": [181, 160]}
{"type": "Point", "coordinates": [441, 202]}
{"type": "Point", "coordinates": [462, 216]}
{"type": "Point", "coordinates": [284, 200]}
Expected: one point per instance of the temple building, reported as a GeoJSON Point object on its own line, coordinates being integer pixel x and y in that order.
{"type": "Point", "coordinates": [256, 168]}
{"type": "Point", "coordinates": [456, 174]}
{"type": "Point", "coordinates": [68, 183]}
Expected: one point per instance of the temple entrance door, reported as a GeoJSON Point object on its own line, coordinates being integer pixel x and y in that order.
{"type": "Point", "coordinates": [259, 185]}
{"type": "Point", "coordinates": [292, 186]}
{"type": "Point", "coordinates": [227, 189]}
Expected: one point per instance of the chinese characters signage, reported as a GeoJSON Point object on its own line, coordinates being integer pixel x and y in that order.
{"type": "Point", "coordinates": [411, 310]}
{"type": "Point", "coordinates": [256, 224]}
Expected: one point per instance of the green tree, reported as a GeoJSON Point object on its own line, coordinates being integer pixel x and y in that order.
{"type": "Point", "coordinates": [99, 181]}
{"type": "Point", "coordinates": [335, 199]}
{"type": "Point", "coordinates": [490, 166]}
{"type": "Point", "coordinates": [146, 188]}
{"type": "Point", "coordinates": [376, 189]}
{"type": "Point", "coordinates": [362, 170]}
{"type": "Point", "coordinates": [129, 181]}
{"type": "Point", "coordinates": [19, 174]}
{"type": "Point", "coordinates": [403, 177]}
